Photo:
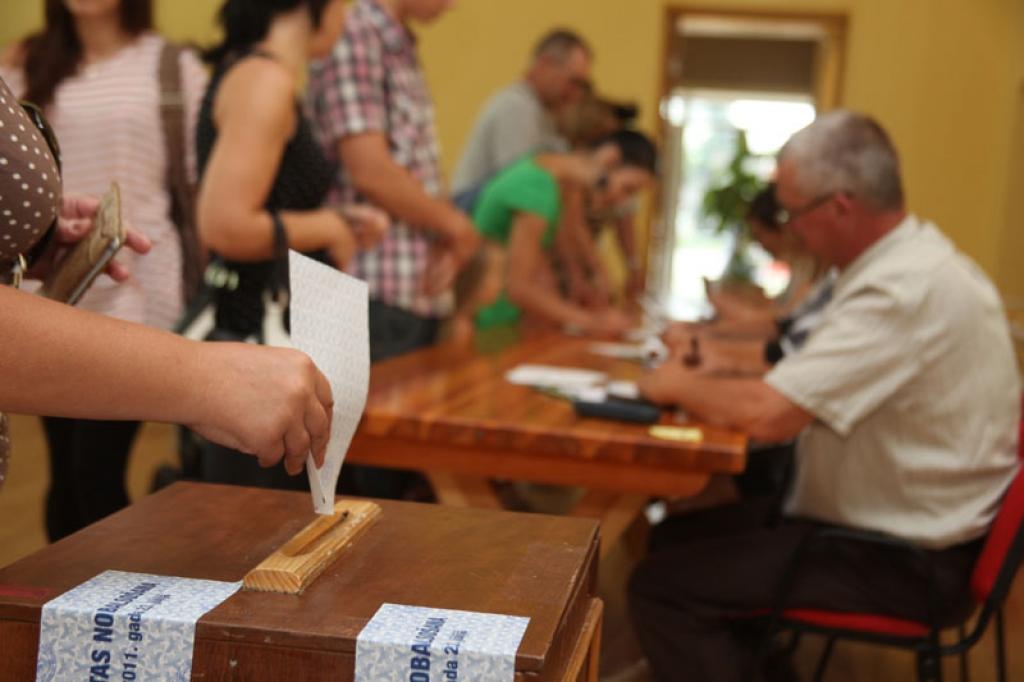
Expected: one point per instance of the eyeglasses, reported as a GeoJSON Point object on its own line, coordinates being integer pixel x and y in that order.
{"type": "Point", "coordinates": [784, 215]}
{"type": "Point", "coordinates": [35, 114]}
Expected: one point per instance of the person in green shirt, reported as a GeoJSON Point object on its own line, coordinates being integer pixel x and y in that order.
{"type": "Point", "coordinates": [521, 208]}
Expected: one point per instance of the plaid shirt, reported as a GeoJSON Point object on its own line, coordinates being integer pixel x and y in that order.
{"type": "Point", "coordinates": [372, 83]}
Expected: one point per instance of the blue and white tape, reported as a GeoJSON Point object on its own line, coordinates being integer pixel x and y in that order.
{"type": "Point", "coordinates": [125, 626]}
{"type": "Point", "coordinates": [430, 645]}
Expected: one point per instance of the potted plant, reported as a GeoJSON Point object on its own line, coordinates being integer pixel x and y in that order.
{"type": "Point", "coordinates": [724, 207]}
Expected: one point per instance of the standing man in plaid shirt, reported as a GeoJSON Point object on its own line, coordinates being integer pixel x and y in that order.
{"type": "Point", "coordinates": [373, 111]}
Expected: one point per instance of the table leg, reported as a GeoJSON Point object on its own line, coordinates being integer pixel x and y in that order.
{"type": "Point", "coordinates": [586, 655]}
{"type": "Point", "coordinates": [615, 511]}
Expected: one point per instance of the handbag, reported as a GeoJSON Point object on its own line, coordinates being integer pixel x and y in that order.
{"type": "Point", "coordinates": [199, 321]}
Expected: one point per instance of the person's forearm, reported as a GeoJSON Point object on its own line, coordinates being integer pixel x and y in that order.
{"type": "Point", "coordinates": [741, 356]}
{"type": "Point", "coordinates": [625, 230]}
{"type": "Point", "coordinates": [740, 403]}
{"type": "Point", "coordinates": [390, 187]}
{"type": "Point", "coordinates": [568, 257]}
{"type": "Point", "coordinates": [250, 237]}
{"type": "Point", "coordinates": [541, 301]}
{"type": "Point", "coordinates": [760, 327]}
{"type": "Point", "coordinates": [56, 360]}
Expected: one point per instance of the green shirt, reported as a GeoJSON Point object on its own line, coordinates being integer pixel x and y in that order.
{"type": "Point", "coordinates": [523, 187]}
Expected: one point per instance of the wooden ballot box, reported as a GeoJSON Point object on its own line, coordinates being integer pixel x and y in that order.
{"type": "Point", "coordinates": [478, 560]}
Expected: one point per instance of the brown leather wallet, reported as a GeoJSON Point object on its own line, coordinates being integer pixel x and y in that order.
{"type": "Point", "coordinates": [75, 273]}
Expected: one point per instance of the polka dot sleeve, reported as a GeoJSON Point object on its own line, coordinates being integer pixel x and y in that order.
{"type": "Point", "coordinates": [29, 180]}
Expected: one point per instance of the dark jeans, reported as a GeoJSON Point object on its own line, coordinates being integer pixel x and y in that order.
{"type": "Point", "coordinates": [393, 332]}
{"type": "Point", "coordinates": [692, 598]}
{"type": "Point", "coordinates": [88, 461]}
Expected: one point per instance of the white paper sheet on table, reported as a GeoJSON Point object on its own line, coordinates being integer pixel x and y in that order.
{"type": "Point", "coordinates": [329, 322]}
{"type": "Point", "coordinates": [550, 376]}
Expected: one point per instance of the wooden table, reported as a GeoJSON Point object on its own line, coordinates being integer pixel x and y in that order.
{"type": "Point", "coordinates": [449, 412]}
{"type": "Point", "coordinates": [426, 555]}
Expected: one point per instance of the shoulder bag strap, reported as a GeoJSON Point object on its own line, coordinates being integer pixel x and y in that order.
{"type": "Point", "coordinates": [182, 193]}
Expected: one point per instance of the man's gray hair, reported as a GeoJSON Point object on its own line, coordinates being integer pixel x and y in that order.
{"type": "Point", "coordinates": [844, 151]}
{"type": "Point", "coordinates": [558, 43]}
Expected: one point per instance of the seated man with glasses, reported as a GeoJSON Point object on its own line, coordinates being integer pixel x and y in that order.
{"type": "Point", "coordinates": [906, 400]}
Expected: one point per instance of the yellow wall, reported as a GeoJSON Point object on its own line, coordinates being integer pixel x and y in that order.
{"type": "Point", "coordinates": [944, 76]}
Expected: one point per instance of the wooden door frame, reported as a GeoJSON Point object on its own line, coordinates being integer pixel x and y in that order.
{"type": "Point", "coordinates": [827, 95]}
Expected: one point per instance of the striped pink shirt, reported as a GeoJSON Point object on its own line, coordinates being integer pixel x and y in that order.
{"type": "Point", "coordinates": [107, 120]}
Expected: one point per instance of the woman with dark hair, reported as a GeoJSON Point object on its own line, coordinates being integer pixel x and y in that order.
{"type": "Point", "coordinates": [95, 70]}
{"type": "Point", "coordinates": [265, 178]}
{"type": "Point", "coordinates": [739, 312]}
{"type": "Point", "coordinates": [750, 337]}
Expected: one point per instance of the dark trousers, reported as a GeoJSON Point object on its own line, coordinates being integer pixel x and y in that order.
{"type": "Point", "coordinates": [692, 599]}
{"type": "Point", "coordinates": [219, 464]}
{"type": "Point", "coordinates": [393, 332]}
{"type": "Point", "coordinates": [88, 461]}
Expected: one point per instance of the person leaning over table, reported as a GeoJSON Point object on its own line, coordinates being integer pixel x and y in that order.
{"type": "Point", "coordinates": [520, 210]}
{"type": "Point", "coordinates": [56, 360]}
{"type": "Point", "coordinates": [906, 399]}
{"type": "Point", "coordinates": [754, 344]}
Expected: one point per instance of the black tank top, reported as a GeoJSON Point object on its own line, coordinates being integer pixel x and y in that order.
{"type": "Point", "coordinates": [301, 183]}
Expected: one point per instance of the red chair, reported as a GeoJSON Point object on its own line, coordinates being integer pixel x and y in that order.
{"type": "Point", "coordinates": [991, 580]}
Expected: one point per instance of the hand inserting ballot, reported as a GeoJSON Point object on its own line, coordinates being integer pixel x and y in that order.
{"type": "Point", "coordinates": [279, 405]}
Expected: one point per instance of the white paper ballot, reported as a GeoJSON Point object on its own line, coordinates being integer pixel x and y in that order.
{"type": "Point", "coordinates": [329, 322]}
{"type": "Point", "coordinates": [550, 376]}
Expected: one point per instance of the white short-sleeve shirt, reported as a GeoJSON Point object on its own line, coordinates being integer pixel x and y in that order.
{"type": "Point", "coordinates": [914, 384]}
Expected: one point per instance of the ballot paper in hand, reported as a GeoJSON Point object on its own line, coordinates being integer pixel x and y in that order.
{"type": "Point", "coordinates": [329, 323]}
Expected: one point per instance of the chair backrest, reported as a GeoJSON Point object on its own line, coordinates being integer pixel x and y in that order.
{"type": "Point", "coordinates": [1004, 548]}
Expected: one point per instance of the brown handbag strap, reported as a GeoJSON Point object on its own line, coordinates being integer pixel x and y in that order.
{"type": "Point", "coordinates": [172, 119]}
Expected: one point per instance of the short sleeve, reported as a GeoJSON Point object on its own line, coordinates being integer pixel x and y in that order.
{"type": "Point", "coordinates": [29, 180]}
{"type": "Point", "coordinates": [347, 88]}
{"type": "Point", "coordinates": [516, 132]}
{"type": "Point", "coordinates": [534, 192]}
{"type": "Point", "coordinates": [862, 353]}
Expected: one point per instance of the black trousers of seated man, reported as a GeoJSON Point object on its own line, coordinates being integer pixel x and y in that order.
{"type": "Point", "coordinates": [692, 598]}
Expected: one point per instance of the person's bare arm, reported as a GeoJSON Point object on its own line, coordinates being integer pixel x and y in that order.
{"type": "Point", "coordinates": [746, 404]}
{"type": "Point", "coordinates": [255, 115]}
{"type": "Point", "coordinates": [60, 361]}
{"type": "Point", "coordinates": [732, 356]}
{"type": "Point", "coordinates": [588, 281]}
{"type": "Point", "coordinates": [625, 231]}
{"type": "Point", "coordinates": [376, 176]}
{"type": "Point", "coordinates": [524, 259]}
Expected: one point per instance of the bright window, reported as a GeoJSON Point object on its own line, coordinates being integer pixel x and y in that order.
{"type": "Point", "coordinates": [706, 124]}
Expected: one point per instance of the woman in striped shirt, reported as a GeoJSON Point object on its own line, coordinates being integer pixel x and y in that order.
{"type": "Point", "coordinates": [94, 69]}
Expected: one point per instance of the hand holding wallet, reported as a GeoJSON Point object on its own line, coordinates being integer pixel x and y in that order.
{"type": "Point", "coordinates": [75, 273]}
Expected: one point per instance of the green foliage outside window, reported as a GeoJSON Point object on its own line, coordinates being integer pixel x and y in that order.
{"type": "Point", "coordinates": [725, 209]}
